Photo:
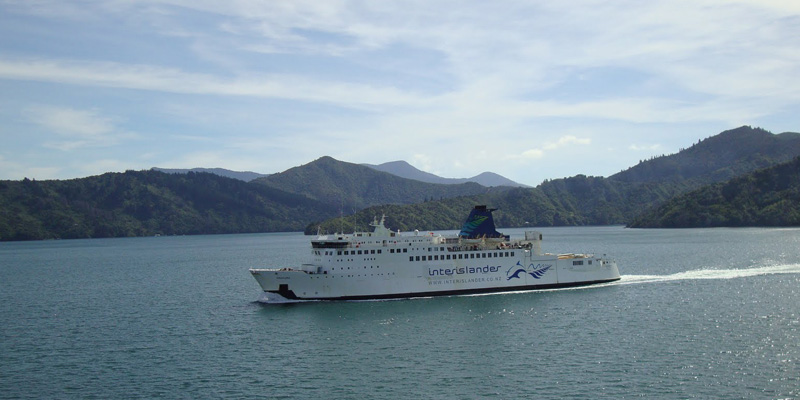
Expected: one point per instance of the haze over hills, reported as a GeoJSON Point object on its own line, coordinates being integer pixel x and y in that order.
{"type": "Point", "coordinates": [397, 168]}
{"type": "Point", "coordinates": [406, 170]}
{"type": "Point", "coordinates": [246, 176]}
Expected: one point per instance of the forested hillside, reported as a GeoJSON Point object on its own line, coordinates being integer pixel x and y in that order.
{"type": "Point", "coordinates": [768, 197]}
{"type": "Point", "coordinates": [586, 200]}
{"type": "Point", "coordinates": [718, 158]}
{"type": "Point", "coordinates": [144, 203]}
{"type": "Point", "coordinates": [354, 187]}
{"type": "Point", "coordinates": [141, 203]}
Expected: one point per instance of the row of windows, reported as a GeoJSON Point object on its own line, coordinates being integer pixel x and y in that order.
{"type": "Point", "coordinates": [462, 256]}
{"type": "Point", "coordinates": [354, 252]}
{"type": "Point", "coordinates": [351, 252]}
{"type": "Point", "coordinates": [580, 262]}
{"type": "Point", "coordinates": [365, 267]}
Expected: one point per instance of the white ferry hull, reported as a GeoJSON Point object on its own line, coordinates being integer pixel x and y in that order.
{"type": "Point", "coordinates": [442, 278]}
{"type": "Point", "coordinates": [386, 265]}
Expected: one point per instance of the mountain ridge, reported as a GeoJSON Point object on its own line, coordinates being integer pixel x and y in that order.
{"type": "Point", "coordinates": [143, 203]}
{"type": "Point", "coordinates": [586, 200]}
{"type": "Point", "coordinates": [246, 176]}
{"type": "Point", "coordinates": [357, 186]}
{"type": "Point", "coordinates": [405, 170]}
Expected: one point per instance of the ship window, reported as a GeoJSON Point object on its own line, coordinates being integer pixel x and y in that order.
{"type": "Point", "coordinates": [460, 256]}
{"type": "Point", "coordinates": [372, 252]}
{"type": "Point", "coordinates": [379, 251]}
{"type": "Point", "coordinates": [506, 254]}
{"type": "Point", "coordinates": [411, 258]}
{"type": "Point", "coordinates": [359, 252]}
{"type": "Point", "coordinates": [512, 254]}
{"type": "Point", "coordinates": [441, 248]}
{"type": "Point", "coordinates": [436, 258]}
{"type": "Point", "coordinates": [417, 258]}
{"type": "Point", "coordinates": [489, 255]}
{"type": "Point", "coordinates": [577, 262]}
{"type": "Point", "coordinates": [590, 262]}
{"type": "Point", "coordinates": [448, 256]}
{"type": "Point", "coordinates": [472, 255]}
{"type": "Point", "coordinates": [405, 250]}
{"type": "Point", "coordinates": [339, 252]}
{"type": "Point", "coordinates": [495, 254]}
{"type": "Point", "coordinates": [430, 258]}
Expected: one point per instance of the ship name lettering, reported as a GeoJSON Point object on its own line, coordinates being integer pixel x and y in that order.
{"type": "Point", "coordinates": [462, 270]}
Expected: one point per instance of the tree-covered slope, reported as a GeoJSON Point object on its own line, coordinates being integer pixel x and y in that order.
{"type": "Point", "coordinates": [768, 197]}
{"type": "Point", "coordinates": [147, 203]}
{"type": "Point", "coordinates": [352, 186]}
{"type": "Point", "coordinates": [573, 201]}
{"type": "Point", "coordinates": [582, 200]}
{"type": "Point", "coordinates": [718, 158]}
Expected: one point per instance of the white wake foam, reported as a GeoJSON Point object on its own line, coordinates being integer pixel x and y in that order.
{"type": "Point", "coordinates": [712, 274]}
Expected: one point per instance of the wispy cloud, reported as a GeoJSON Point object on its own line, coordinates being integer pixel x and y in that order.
{"type": "Point", "coordinates": [160, 79]}
{"type": "Point", "coordinates": [380, 79]}
{"type": "Point", "coordinates": [649, 147]}
{"type": "Point", "coordinates": [551, 147]}
{"type": "Point", "coordinates": [76, 128]}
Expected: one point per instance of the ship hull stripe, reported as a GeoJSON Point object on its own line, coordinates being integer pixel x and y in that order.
{"type": "Point", "coordinates": [289, 294]}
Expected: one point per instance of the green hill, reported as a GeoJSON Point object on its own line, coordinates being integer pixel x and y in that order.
{"type": "Point", "coordinates": [151, 203]}
{"type": "Point", "coordinates": [583, 200]}
{"type": "Point", "coordinates": [718, 158]}
{"type": "Point", "coordinates": [145, 203]}
{"type": "Point", "coordinates": [768, 197]}
{"type": "Point", "coordinates": [353, 186]}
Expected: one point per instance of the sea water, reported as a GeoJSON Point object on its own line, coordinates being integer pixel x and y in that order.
{"type": "Point", "coordinates": [698, 313]}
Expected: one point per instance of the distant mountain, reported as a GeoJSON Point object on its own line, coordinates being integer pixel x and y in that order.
{"type": "Point", "coordinates": [147, 203]}
{"type": "Point", "coordinates": [353, 186]}
{"type": "Point", "coordinates": [406, 170]}
{"type": "Point", "coordinates": [246, 176]}
{"type": "Point", "coordinates": [585, 200]}
{"type": "Point", "coordinates": [767, 197]}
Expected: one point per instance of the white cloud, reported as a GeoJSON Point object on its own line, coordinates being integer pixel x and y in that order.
{"type": "Point", "coordinates": [161, 79]}
{"type": "Point", "coordinates": [650, 147]}
{"type": "Point", "coordinates": [76, 128]}
{"type": "Point", "coordinates": [10, 169]}
{"type": "Point", "coordinates": [568, 141]}
{"type": "Point", "coordinates": [565, 141]}
{"type": "Point", "coordinates": [388, 80]}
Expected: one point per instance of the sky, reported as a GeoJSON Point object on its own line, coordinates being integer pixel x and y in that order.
{"type": "Point", "coordinates": [531, 90]}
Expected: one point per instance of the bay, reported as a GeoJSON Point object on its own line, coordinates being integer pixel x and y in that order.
{"type": "Point", "coordinates": [699, 313]}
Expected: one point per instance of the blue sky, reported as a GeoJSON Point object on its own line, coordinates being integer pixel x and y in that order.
{"type": "Point", "coordinates": [531, 90]}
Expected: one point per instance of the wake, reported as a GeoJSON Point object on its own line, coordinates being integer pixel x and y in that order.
{"type": "Point", "coordinates": [711, 274]}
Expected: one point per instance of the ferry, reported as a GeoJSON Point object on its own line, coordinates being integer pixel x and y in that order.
{"type": "Point", "coordinates": [384, 264]}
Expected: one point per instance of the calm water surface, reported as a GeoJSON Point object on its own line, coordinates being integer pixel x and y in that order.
{"type": "Point", "coordinates": [702, 313]}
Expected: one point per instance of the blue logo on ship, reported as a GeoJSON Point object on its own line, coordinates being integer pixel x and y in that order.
{"type": "Point", "coordinates": [536, 271]}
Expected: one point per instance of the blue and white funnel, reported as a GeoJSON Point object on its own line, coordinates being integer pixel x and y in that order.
{"type": "Point", "coordinates": [480, 224]}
